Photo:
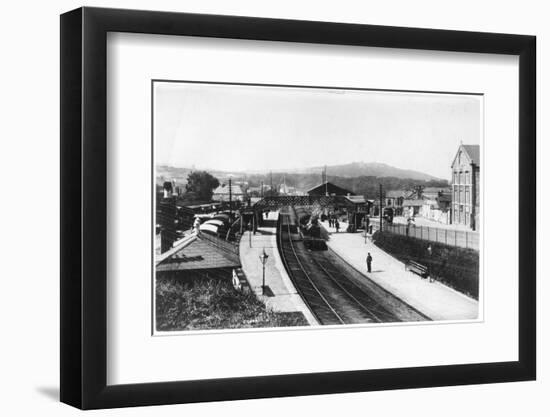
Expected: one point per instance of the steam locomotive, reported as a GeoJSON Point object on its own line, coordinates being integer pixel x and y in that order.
{"type": "Point", "coordinates": [310, 229]}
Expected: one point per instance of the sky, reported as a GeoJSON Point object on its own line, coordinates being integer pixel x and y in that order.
{"type": "Point", "coordinates": [262, 128]}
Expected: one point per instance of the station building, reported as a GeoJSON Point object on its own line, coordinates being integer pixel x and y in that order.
{"type": "Point", "coordinates": [354, 207]}
{"type": "Point", "coordinates": [328, 189]}
{"type": "Point", "coordinates": [229, 192]}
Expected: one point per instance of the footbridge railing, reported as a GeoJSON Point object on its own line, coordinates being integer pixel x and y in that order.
{"type": "Point", "coordinates": [276, 202]}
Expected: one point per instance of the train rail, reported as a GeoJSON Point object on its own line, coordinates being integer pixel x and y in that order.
{"type": "Point", "coordinates": [312, 295]}
{"type": "Point", "coordinates": [332, 297]}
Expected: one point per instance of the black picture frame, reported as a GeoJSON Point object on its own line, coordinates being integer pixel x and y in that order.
{"type": "Point", "coordinates": [84, 207]}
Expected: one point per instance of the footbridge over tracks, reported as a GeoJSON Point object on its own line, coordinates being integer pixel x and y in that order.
{"type": "Point", "coordinates": [352, 206]}
{"type": "Point", "coordinates": [331, 202]}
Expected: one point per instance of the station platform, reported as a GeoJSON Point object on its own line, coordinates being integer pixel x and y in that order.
{"type": "Point", "coordinates": [281, 295]}
{"type": "Point", "coordinates": [434, 299]}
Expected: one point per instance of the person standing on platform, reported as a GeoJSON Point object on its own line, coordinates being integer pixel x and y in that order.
{"type": "Point", "coordinates": [197, 226]}
{"type": "Point", "coordinates": [337, 225]}
{"type": "Point", "coordinates": [369, 262]}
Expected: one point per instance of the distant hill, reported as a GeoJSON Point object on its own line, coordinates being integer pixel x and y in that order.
{"type": "Point", "coordinates": [351, 170]}
{"type": "Point", "coordinates": [371, 169]}
{"type": "Point", "coordinates": [358, 177]}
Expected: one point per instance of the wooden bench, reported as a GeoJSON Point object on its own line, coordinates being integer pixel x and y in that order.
{"type": "Point", "coordinates": [417, 268]}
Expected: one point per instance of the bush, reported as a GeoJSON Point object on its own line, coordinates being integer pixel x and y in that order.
{"type": "Point", "coordinates": [213, 304]}
{"type": "Point", "coordinates": [456, 267]}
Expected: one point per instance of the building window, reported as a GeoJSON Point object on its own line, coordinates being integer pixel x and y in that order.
{"type": "Point", "coordinates": [468, 201]}
{"type": "Point", "coordinates": [467, 177]}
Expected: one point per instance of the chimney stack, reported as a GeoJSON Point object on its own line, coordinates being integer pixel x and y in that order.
{"type": "Point", "coordinates": [167, 187]}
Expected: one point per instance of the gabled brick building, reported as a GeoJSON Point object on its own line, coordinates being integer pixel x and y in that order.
{"type": "Point", "coordinates": [465, 186]}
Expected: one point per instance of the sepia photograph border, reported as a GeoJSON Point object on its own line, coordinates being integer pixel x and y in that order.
{"type": "Point", "coordinates": [83, 281]}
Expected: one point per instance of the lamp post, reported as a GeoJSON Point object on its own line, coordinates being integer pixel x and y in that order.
{"type": "Point", "coordinates": [263, 259]}
{"type": "Point", "coordinates": [230, 199]}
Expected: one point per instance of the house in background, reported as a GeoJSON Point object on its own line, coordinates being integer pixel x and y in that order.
{"type": "Point", "coordinates": [431, 203]}
{"type": "Point", "coordinates": [432, 193]}
{"type": "Point", "coordinates": [258, 191]}
{"type": "Point", "coordinates": [412, 207]}
{"type": "Point", "coordinates": [222, 193]}
{"type": "Point", "coordinates": [285, 189]}
{"type": "Point", "coordinates": [394, 199]}
{"type": "Point", "coordinates": [465, 186]}
{"type": "Point", "coordinates": [436, 205]}
{"type": "Point", "coordinates": [437, 208]}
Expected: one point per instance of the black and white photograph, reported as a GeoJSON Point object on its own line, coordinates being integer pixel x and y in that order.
{"type": "Point", "coordinates": [281, 206]}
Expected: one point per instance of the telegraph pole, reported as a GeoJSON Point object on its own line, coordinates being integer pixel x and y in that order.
{"type": "Point", "coordinates": [326, 185]}
{"type": "Point", "coordinates": [380, 206]}
{"type": "Point", "coordinates": [230, 198]}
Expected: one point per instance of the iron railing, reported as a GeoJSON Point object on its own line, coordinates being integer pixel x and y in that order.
{"type": "Point", "coordinates": [457, 238]}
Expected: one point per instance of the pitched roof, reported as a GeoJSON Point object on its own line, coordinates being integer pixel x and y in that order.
{"type": "Point", "coordinates": [224, 189]}
{"type": "Point", "coordinates": [413, 203]}
{"type": "Point", "coordinates": [444, 197]}
{"type": "Point", "coordinates": [199, 253]}
{"type": "Point", "coordinates": [435, 189]}
{"type": "Point", "coordinates": [332, 189]}
{"type": "Point", "coordinates": [395, 193]}
{"type": "Point", "coordinates": [473, 152]}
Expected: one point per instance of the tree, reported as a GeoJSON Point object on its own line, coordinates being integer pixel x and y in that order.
{"type": "Point", "coordinates": [201, 183]}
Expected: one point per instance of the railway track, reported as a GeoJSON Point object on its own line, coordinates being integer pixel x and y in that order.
{"type": "Point", "coordinates": [312, 295]}
{"type": "Point", "coordinates": [331, 296]}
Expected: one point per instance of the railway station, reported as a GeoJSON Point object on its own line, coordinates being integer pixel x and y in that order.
{"type": "Point", "coordinates": [250, 231]}
{"type": "Point", "coordinates": [288, 252]}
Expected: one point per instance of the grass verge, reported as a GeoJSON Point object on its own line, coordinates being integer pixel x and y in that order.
{"type": "Point", "coordinates": [205, 304]}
